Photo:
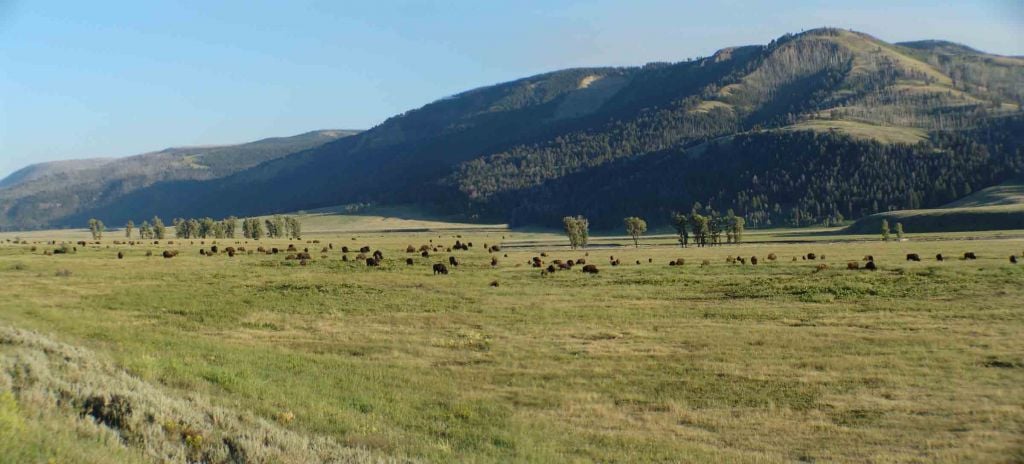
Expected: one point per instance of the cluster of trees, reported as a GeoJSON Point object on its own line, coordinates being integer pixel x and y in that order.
{"type": "Point", "coordinates": [275, 227]}
{"type": "Point", "coordinates": [205, 228]}
{"type": "Point", "coordinates": [96, 228]}
{"type": "Point", "coordinates": [152, 231]}
{"type": "Point", "coordinates": [707, 229]}
{"type": "Point", "coordinates": [886, 234]}
{"type": "Point", "coordinates": [578, 230]}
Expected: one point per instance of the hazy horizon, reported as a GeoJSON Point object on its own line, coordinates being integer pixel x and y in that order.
{"type": "Point", "coordinates": [97, 82]}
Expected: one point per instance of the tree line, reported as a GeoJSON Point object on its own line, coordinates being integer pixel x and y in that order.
{"type": "Point", "coordinates": [207, 228]}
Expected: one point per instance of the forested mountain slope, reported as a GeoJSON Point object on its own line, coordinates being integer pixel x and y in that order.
{"type": "Point", "coordinates": [825, 125]}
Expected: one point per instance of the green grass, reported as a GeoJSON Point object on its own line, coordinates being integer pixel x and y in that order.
{"type": "Point", "coordinates": [640, 363]}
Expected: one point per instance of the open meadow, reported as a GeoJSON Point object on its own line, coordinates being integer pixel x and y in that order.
{"type": "Point", "coordinates": [259, 358]}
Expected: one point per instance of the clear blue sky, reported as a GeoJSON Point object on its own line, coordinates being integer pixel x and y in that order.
{"type": "Point", "coordinates": [113, 78]}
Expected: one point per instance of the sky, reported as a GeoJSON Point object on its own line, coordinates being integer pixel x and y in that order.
{"type": "Point", "coordinates": [81, 79]}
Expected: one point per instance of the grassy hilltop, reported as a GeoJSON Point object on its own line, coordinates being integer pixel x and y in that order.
{"type": "Point", "coordinates": [260, 358]}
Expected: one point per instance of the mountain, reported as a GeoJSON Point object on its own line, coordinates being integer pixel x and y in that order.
{"type": "Point", "coordinates": [40, 194]}
{"type": "Point", "coordinates": [817, 127]}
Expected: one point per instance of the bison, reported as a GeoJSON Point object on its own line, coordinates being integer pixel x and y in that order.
{"type": "Point", "coordinates": [120, 255]}
{"type": "Point", "coordinates": [913, 257]}
{"type": "Point", "coordinates": [168, 254]}
{"type": "Point", "coordinates": [753, 260]}
{"type": "Point", "coordinates": [1013, 259]}
{"type": "Point", "coordinates": [590, 269]}
{"type": "Point", "coordinates": [408, 261]}
{"type": "Point", "coordinates": [371, 262]}
{"type": "Point", "coordinates": [494, 262]}
{"type": "Point", "coordinates": [453, 261]}
{"type": "Point", "coordinates": [440, 268]}
{"type": "Point", "coordinates": [870, 266]}
{"type": "Point", "coordinates": [939, 257]}
{"type": "Point", "coordinates": [853, 265]}
{"type": "Point", "coordinates": [970, 255]}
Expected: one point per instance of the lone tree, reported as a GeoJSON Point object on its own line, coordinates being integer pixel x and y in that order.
{"type": "Point", "coordinates": [635, 227]}
{"type": "Point", "coordinates": [96, 228]}
{"type": "Point", "coordinates": [681, 222]}
{"type": "Point", "coordinates": [159, 230]}
{"type": "Point", "coordinates": [736, 226]}
{"type": "Point", "coordinates": [899, 231]}
{"type": "Point", "coordinates": [128, 227]}
{"type": "Point", "coordinates": [578, 230]}
{"type": "Point", "coordinates": [885, 230]}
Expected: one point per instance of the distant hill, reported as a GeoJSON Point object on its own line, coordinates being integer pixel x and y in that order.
{"type": "Point", "coordinates": [999, 207]}
{"type": "Point", "coordinates": [812, 128]}
{"type": "Point", "coordinates": [40, 194]}
{"type": "Point", "coordinates": [52, 168]}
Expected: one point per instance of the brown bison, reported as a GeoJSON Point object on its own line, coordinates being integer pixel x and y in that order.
{"type": "Point", "coordinates": [590, 269]}
{"type": "Point", "coordinates": [371, 262]}
{"type": "Point", "coordinates": [170, 253]}
{"type": "Point", "coordinates": [913, 257]}
{"type": "Point", "coordinates": [425, 254]}
{"type": "Point", "coordinates": [1013, 259]}
{"type": "Point", "coordinates": [753, 260]}
{"type": "Point", "coordinates": [344, 249]}
{"type": "Point", "coordinates": [853, 265]}
{"type": "Point", "coordinates": [120, 255]}
{"type": "Point", "coordinates": [939, 257]}
{"type": "Point", "coordinates": [440, 268]}
{"type": "Point", "coordinates": [410, 249]}
{"type": "Point", "coordinates": [772, 257]}
{"type": "Point", "coordinates": [364, 249]}
{"type": "Point", "coordinates": [970, 255]}
{"type": "Point", "coordinates": [378, 255]}
{"type": "Point", "coordinates": [494, 262]}
{"type": "Point", "coordinates": [811, 256]}
{"type": "Point", "coordinates": [408, 261]}
{"type": "Point", "coordinates": [871, 266]}
{"type": "Point", "coordinates": [453, 261]}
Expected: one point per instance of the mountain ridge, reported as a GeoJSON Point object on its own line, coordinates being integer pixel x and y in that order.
{"type": "Point", "coordinates": [499, 152]}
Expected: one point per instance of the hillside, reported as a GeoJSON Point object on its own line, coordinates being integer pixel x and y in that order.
{"type": "Point", "coordinates": [40, 194]}
{"type": "Point", "coordinates": [813, 128]}
{"type": "Point", "coordinates": [999, 207]}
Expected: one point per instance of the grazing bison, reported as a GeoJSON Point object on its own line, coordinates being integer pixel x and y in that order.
{"type": "Point", "coordinates": [344, 249]}
{"type": "Point", "coordinates": [870, 266]}
{"type": "Point", "coordinates": [364, 249]}
{"type": "Point", "coordinates": [772, 257]}
{"type": "Point", "coordinates": [120, 255]}
{"type": "Point", "coordinates": [494, 262]}
{"type": "Point", "coordinates": [938, 257]}
{"type": "Point", "coordinates": [741, 259]}
{"type": "Point", "coordinates": [149, 253]}
{"type": "Point", "coordinates": [869, 258]}
{"type": "Point", "coordinates": [168, 254]}
{"type": "Point", "coordinates": [581, 261]}
{"type": "Point", "coordinates": [495, 248]}
{"type": "Point", "coordinates": [453, 261]}
{"type": "Point", "coordinates": [616, 262]}
{"type": "Point", "coordinates": [853, 265]}
{"type": "Point", "coordinates": [590, 269]}
{"type": "Point", "coordinates": [213, 249]}
{"type": "Point", "coordinates": [410, 249]}
{"type": "Point", "coordinates": [753, 260]}
{"type": "Point", "coordinates": [371, 262]}
{"type": "Point", "coordinates": [408, 261]}
{"type": "Point", "coordinates": [913, 257]}
{"type": "Point", "coordinates": [970, 255]}
{"type": "Point", "coordinates": [275, 250]}
{"type": "Point", "coordinates": [811, 256]}
{"type": "Point", "coordinates": [304, 255]}
{"type": "Point", "coordinates": [821, 267]}
{"type": "Point", "coordinates": [1013, 259]}
{"type": "Point", "coordinates": [638, 262]}
{"type": "Point", "coordinates": [344, 258]}
{"type": "Point", "coordinates": [425, 254]}
{"type": "Point", "coordinates": [440, 269]}
{"type": "Point", "coordinates": [378, 255]}
{"type": "Point", "coordinates": [551, 268]}
{"type": "Point", "coordinates": [494, 283]}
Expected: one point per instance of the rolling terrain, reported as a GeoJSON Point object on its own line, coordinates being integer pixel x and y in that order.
{"type": "Point", "coordinates": [49, 193]}
{"type": "Point", "coordinates": [1000, 207]}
